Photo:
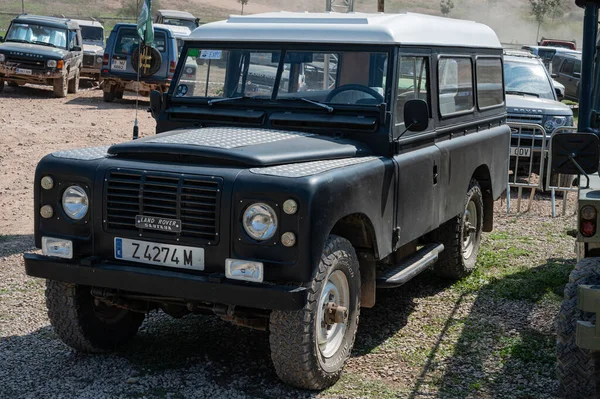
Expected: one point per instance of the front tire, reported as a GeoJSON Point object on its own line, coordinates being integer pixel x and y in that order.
{"type": "Point", "coordinates": [461, 237]}
{"type": "Point", "coordinates": [577, 369]}
{"type": "Point", "coordinates": [85, 326]}
{"type": "Point", "coordinates": [74, 83]}
{"type": "Point", "coordinates": [307, 349]}
{"type": "Point", "coordinates": [61, 86]}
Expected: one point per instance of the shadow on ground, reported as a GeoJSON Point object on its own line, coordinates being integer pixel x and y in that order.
{"type": "Point", "coordinates": [505, 349]}
{"type": "Point", "coordinates": [15, 243]}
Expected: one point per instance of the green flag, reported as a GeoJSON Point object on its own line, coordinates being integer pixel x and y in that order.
{"type": "Point", "coordinates": [144, 24]}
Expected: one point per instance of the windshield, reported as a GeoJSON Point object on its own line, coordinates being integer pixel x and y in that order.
{"type": "Point", "coordinates": [37, 34]}
{"type": "Point", "coordinates": [527, 78]}
{"type": "Point", "coordinates": [335, 77]}
{"type": "Point", "coordinates": [180, 22]}
{"type": "Point", "coordinates": [92, 33]}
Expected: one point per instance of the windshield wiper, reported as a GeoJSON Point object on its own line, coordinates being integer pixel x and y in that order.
{"type": "Point", "coordinates": [43, 43]}
{"type": "Point", "coordinates": [522, 93]}
{"type": "Point", "coordinates": [223, 100]}
{"type": "Point", "coordinates": [318, 104]}
{"type": "Point", "coordinates": [17, 40]}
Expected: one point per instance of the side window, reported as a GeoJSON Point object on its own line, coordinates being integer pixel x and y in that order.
{"type": "Point", "coordinates": [567, 67]}
{"type": "Point", "coordinates": [489, 82]}
{"type": "Point", "coordinates": [577, 68]}
{"type": "Point", "coordinates": [455, 85]}
{"type": "Point", "coordinates": [413, 82]}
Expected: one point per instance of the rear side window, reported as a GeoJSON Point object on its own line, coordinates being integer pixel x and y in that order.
{"type": "Point", "coordinates": [489, 83]}
{"type": "Point", "coordinates": [128, 41]}
{"type": "Point", "coordinates": [456, 85]}
{"type": "Point", "coordinates": [567, 67]}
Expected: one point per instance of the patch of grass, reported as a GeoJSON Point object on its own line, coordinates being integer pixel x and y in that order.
{"type": "Point", "coordinates": [500, 273]}
{"type": "Point", "coordinates": [528, 347]}
{"type": "Point", "coordinates": [352, 385]}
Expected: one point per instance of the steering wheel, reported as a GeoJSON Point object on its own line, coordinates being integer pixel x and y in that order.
{"type": "Point", "coordinates": [354, 87]}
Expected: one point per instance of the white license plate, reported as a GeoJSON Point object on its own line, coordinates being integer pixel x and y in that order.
{"type": "Point", "coordinates": [520, 151]}
{"type": "Point", "coordinates": [21, 71]}
{"type": "Point", "coordinates": [159, 254]}
{"type": "Point", "coordinates": [119, 65]}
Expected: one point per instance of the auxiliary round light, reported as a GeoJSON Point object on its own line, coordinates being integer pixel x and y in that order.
{"type": "Point", "coordinates": [75, 202]}
{"type": "Point", "coordinates": [260, 221]}
{"type": "Point", "coordinates": [588, 212]}
{"type": "Point", "coordinates": [47, 183]}
{"type": "Point", "coordinates": [288, 239]}
{"type": "Point", "coordinates": [290, 207]}
{"type": "Point", "coordinates": [46, 211]}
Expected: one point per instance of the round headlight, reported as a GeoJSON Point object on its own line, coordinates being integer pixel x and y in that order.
{"type": "Point", "coordinates": [99, 60]}
{"type": "Point", "coordinates": [51, 64]}
{"type": "Point", "coordinates": [189, 70]}
{"type": "Point", "coordinates": [260, 221]}
{"type": "Point", "coordinates": [75, 202]}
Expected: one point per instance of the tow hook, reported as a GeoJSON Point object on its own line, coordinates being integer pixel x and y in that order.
{"type": "Point", "coordinates": [335, 314]}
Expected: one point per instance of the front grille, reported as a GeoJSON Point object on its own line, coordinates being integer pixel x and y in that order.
{"type": "Point", "coordinates": [525, 118]}
{"type": "Point", "coordinates": [88, 60]}
{"type": "Point", "coordinates": [25, 63]}
{"type": "Point", "coordinates": [192, 199]}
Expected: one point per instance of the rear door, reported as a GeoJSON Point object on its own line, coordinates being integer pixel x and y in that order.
{"type": "Point", "coordinates": [565, 76]}
{"type": "Point", "coordinates": [127, 42]}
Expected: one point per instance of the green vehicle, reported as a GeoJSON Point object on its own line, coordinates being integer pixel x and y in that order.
{"type": "Point", "coordinates": [578, 334]}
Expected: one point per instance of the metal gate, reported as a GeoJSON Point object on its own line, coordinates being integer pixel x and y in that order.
{"type": "Point", "coordinates": [558, 182]}
{"type": "Point", "coordinates": [527, 156]}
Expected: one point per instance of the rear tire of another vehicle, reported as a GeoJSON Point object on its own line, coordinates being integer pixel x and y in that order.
{"type": "Point", "coordinates": [108, 96]}
{"type": "Point", "coordinates": [577, 369]}
{"type": "Point", "coordinates": [61, 86]}
{"type": "Point", "coordinates": [74, 83]}
{"type": "Point", "coordinates": [1, 86]}
{"type": "Point", "coordinates": [307, 351]}
{"type": "Point", "coordinates": [461, 237]}
{"type": "Point", "coordinates": [119, 94]}
{"type": "Point", "coordinates": [84, 325]}
{"type": "Point", "coordinates": [12, 83]}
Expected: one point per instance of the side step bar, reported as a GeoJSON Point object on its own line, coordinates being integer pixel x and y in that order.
{"type": "Point", "coordinates": [410, 267]}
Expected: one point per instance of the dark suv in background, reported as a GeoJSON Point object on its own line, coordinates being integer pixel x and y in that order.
{"type": "Point", "coordinates": [531, 98]}
{"type": "Point", "coordinates": [42, 50]}
{"type": "Point", "coordinates": [566, 68]}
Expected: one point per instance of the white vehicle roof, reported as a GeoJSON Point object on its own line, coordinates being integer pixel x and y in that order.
{"type": "Point", "coordinates": [176, 14]}
{"type": "Point", "coordinates": [405, 29]}
{"type": "Point", "coordinates": [178, 31]}
{"type": "Point", "coordinates": [85, 22]}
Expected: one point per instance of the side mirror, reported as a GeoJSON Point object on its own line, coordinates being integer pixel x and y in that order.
{"type": "Point", "coordinates": [197, 22]}
{"type": "Point", "coordinates": [559, 94]}
{"type": "Point", "coordinates": [575, 153]}
{"type": "Point", "coordinates": [76, 48]}
{"type": "Point", "coordinates": [577, 75]}
{"type": "Point", "coordinates": [155, 103]}
{"type": "Point", "coordinates": [554, 75]}
{"type": "Point", "coordinates": [416, 115]}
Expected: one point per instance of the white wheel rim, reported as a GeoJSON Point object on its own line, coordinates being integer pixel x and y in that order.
{"type": "Point", "coordinates": [330, 337]}
{"type": "Point", "coordinates": [470, 227]}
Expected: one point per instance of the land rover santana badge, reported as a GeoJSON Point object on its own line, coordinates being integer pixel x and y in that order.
{"type": "Point", "coordinates": [156, 223]}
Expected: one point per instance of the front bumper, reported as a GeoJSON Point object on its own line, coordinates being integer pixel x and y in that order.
{"type": "Point", "coordinates": [10, 73]}
{"type": "Point", "coordinates": [213, 288]}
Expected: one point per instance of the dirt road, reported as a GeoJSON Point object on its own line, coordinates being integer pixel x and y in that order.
{"type": "Point", "coordinates": [488, 336]}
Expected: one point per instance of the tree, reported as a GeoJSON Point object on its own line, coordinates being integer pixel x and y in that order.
{"type": "Point", "coordinates": [446, 6]}
{"type": "Point", "coordinates": [132, 8]}
{"type": "Point", "coordinates": [243, 3]}
{"type": "Point", "coordinates": [541, 9]}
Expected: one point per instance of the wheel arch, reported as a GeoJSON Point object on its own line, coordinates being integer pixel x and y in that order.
{"type": "Point", "coordinates": [483, 177]}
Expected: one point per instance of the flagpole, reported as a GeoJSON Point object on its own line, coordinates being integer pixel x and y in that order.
{"type": "Point", "coordinates": [144, 22]}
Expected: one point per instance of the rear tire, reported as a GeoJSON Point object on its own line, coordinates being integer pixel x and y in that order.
{"type": "Point", "coordinates": [12, 83]}
{"type": "Point", "coordinates": [85, 326]}
{"type": "Point", "coordinates": [61, 86]}
{"type": "Point", "coordinates": [1, 86]}
{"type": "Point", "coordinates": [461, 237]}
{"type": "Point", "coordinates": [119, 94]}
{"type": "Point", "coordinates": [307, 351]}
{"type": "Point", "coordinates": [108, 96]}
{"type": "Point", "coordinates": [577, 369]}
{"type": "Point", "coordinates": [74, 83]}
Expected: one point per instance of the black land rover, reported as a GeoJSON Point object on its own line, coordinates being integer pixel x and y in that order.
{"type": "Point", "coordinates": [42, 50]}
{"type": "Point", "coordinates": [282, 206]}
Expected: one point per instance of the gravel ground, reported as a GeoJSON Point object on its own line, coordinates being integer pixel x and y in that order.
{"type": "Point", "coordinates": [487, 336]}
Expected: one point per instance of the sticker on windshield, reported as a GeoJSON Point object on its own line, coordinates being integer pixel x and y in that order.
{"type": "Point", "coordinates": [211, 54]}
